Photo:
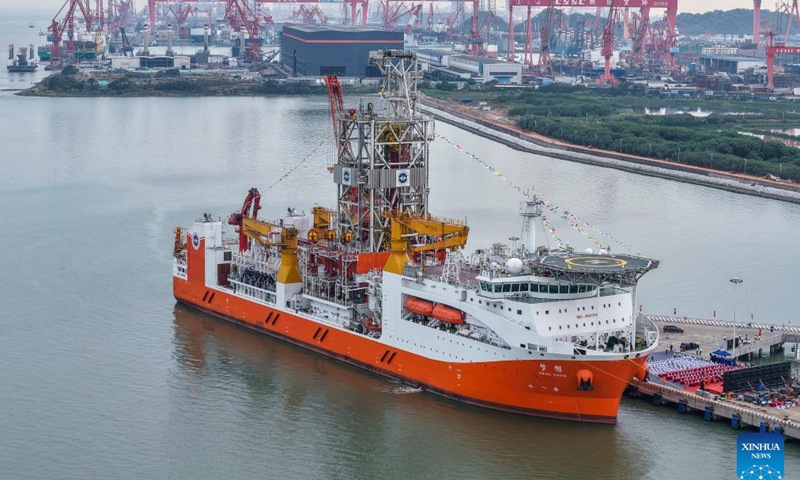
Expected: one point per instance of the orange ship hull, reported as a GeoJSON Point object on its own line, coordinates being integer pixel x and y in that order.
{"type": "Point", "coordinates": [545, 388]}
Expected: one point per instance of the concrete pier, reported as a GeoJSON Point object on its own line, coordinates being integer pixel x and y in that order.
{"type": "Point", "coordinates": [709, 334]}
{"type": "Point", "coordinates": [713, 408]}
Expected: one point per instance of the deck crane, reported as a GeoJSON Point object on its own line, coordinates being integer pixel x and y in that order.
{"type": "Point", "coordinates": [127, 48]}
{"type": "Point", "coordinates": [282, 237]}
{"type": "Point", "coordinates": [337, 103]}
{"type": "Point", "coordinates": [445, 234]}
{"type": "Point", "coordinates": [249, 210]}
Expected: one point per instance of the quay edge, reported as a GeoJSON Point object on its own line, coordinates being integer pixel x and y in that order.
{"type": "Point", "coordinates": [682, 173]}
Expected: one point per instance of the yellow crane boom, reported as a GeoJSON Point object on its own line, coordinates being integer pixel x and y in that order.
{"type": "Point", "coordinates": [259, 231]}
{"type": "Point", "coordinates": [447, 233]}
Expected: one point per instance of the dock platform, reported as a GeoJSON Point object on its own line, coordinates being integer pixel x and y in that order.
{"type": "Point", "coordinates": [709, 335]}
{"type": "Point", "coordinates": [739, 414]}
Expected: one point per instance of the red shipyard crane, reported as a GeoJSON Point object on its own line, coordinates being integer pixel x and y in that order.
{"type": "Point", "coordinates": [671, 7]}
{"type": "Point", "coordinates": [773, 49]}
{"type": "Point", "coordinates": [66, 25]}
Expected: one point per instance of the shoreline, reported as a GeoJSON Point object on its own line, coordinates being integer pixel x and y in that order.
{"type": "Point", "coordinates": [531, 142]}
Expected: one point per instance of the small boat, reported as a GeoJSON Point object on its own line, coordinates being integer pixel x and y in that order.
{"type": "Point", "coordinates": [30, 26]}
{"type": "Point", "coordinates": [21, 63]}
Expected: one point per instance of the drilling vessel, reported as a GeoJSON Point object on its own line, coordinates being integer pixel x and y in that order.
{"type": "Point", "coordinates": [380, 283]}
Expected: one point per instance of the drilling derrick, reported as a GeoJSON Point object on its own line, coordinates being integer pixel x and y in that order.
{"type": "Point", "coordinates": [382, 162]}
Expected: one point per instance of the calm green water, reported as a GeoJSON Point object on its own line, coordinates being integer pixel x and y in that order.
{"type": "Point", "coordinates": [103, 376]}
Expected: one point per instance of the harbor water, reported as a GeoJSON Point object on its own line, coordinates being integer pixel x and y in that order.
{"type": "Point", "coordinates": [104, 376]}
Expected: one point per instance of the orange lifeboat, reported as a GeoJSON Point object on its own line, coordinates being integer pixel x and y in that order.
{"type": "Point", "coordinates": [448, 314]}
{"type": "Point", "coordinates": [419, 306]}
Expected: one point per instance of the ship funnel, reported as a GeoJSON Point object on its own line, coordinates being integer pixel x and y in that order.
{"type": "Point", "coordinates": [11, 52]}
{"type": "Point", "coordinates": [205, 38]}
{"type": "Point", "coordinates": [30, 52]}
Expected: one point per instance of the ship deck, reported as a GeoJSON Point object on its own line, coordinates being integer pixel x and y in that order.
{"type": "Point", "coordinates": [466, 275]}
{"type": "Point", "coordinates": [593, 263]}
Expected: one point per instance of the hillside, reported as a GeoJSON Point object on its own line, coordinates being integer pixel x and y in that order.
{"type": "Point", "coordinates": [731, 22]}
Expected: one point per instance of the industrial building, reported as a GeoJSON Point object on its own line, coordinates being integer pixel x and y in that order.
{"type": "Point", "coordinates": [463, 67]}
{"type": "Point", "coordinates": [151, 62]}
{"type": "Point", "coordinates": [729, 64]}
{"type": "Point", "coordinates": [313, 50]}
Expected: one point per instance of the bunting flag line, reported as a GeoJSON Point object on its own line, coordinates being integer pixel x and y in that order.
{"type": "Point", "coordinates": [297, 165]}
{"type": "Point", "coordinates": [580, 225]}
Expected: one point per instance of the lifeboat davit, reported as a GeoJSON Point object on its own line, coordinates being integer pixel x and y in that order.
{"type": "Point", "coordinates": [448, 314]}
{"type": "Point", "coordinates": [419, 306]}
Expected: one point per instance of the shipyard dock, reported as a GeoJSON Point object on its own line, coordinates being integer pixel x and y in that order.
{"type": "Point", "coordinates": [738, 409]}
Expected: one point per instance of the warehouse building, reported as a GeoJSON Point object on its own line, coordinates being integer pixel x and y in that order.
{"type": "Point", "coordinates": [314, 50]}
{"type": "Point", "coordinates": [730, 65]}
{"type": "Point", "coordinates": [461, 67]}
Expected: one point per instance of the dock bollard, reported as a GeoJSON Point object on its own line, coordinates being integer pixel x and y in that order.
{"type": "Point", "coordinates": [735, 420]}
{"type": "Point", "coordinates": [656, 398]}
{"type": "Point", "coordinates": [682, 405]}
{"type": "Point", "coordinates": [709, 413]}
{"type": "Point", "coordinates": [762, 428]}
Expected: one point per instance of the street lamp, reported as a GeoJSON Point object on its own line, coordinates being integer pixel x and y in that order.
{"type": "Point", "coordinates": [735, 281]}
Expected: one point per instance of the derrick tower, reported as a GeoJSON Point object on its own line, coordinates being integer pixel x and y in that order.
{"type": "Point", "coordinates": [382, 162]}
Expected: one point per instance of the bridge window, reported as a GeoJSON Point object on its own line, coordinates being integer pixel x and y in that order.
{"type": "Point", "coordinates": [498, 289]}
{"type": "Point", "coordinates": [515, 287]}
{"type": "Point", "coordinates": [534, 287]}
{"type": "Point", "coordinates": [563, 289]}
{"type": "Point", "coordinates": [581, 288]}
{"type": "Point", "coordinates": [553, 288]}
{"type": "Point", "coordinates": [506, 288]}
{"type": "Point", "coordinates": [523, 287]}
{"type": "Point", "coordinates": [573, 289]}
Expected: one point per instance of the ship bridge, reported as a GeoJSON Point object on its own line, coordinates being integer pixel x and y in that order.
{"type": "Point", "coordinates": [594, 269]}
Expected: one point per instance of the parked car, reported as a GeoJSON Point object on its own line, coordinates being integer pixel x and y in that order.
{"type": "Point", "coordinates": [672, 329]}
{"type": "Point", "coordinates": [689, 346]}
